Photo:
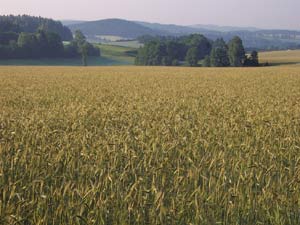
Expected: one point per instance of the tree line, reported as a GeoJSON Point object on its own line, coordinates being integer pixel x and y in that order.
{"type": "Point", "coordinates": [192, 49]}
{"type": "Point", "coordinates": [23, 37]}
{"type": "Point", "coordinates": [30, 24]}
{"type": "Point", "coordinates": [42, 44]}
{"type": "Point", "coordinates": [30, 45]}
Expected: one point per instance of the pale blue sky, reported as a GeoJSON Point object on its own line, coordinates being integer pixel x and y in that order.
{"type": "Point", "coordinates": [260, 13]}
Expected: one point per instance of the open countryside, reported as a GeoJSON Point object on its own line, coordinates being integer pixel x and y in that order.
{"type": "Point", "coordinates": [149, 112]}
{"type": "Point", "coordinates": [163, 145]}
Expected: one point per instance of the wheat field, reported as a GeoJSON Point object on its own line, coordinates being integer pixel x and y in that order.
{"type": "Point", "coordinates": [287, 58]}
{"type": "Point", "coordinates": [142, 145]}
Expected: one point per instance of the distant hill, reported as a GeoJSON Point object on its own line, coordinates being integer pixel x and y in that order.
{"type": "Point", "coordinates": [177, 30]}
{"type": "Point", "coordinates": [252, 37]}
{"type": "Point", "coordinates": [114, 27]}
{"type": "Point", "coordinates": [172, 29]}
{"type": "Point", "coordinates": [223, 28]}
{"type": "Point", "coordinates": [30, 24]}
{"type": "Point", "coordinates": [71, 22]}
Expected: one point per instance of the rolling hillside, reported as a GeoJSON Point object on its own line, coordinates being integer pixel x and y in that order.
{"type": "Point", "coordinates": [253, 38]}
{"type": "Point", "coordinates": [114, 27]}
{"type": "Point", "coordinates": [172, 28]}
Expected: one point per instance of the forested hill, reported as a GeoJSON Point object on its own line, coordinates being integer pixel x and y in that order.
{"type": "Point", "coordinates": [31, 24]}
{"type": "Point", "coordinates": [114, 27]}
{"type": "Point", "coordinates": [253, 38]}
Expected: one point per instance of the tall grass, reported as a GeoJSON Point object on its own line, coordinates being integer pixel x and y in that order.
{"type": "Point", "coordinates": [149, 146]}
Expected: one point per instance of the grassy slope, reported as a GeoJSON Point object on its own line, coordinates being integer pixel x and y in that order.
{"type": "Point", "coordinates": [110, 56]}
{"type": "Point", "coordinates": [117, 53]}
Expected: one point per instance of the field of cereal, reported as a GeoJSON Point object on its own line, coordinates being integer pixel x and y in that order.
{"type": "Point", "coordinates": [142, 145]}
{"type": "Point", "coordinates": [281, 58]}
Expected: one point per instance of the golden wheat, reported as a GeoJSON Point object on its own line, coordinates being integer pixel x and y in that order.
{"type": "Point", "coordinates": [137, 145]}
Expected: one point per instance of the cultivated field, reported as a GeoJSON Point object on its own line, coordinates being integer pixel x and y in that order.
{"type": "Point", "coordinates": [138, 145]}
{"type": "Point", "coordinates": [281, 57]}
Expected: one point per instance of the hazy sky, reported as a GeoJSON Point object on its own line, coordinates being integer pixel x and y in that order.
{"type": "Point", "coordinates": [259, 13]}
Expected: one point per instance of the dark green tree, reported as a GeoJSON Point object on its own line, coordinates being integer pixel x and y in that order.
{"type": "Point", "coordinates": [154, 53]}
{"type": "Point", "coordinates": [192, 56]}
{"type": "Point", "coordinates": [171, 50]}
{"type": "Point", "coordinates": [80, 39]}
{"type": "Point", "coordinates": [142, 57]}
{"type": "Point", "coordinates": [30, 24]}
{"type": "Point", "coordinates": [200, 42]}
{"type": "Point", "coordinates": [219, 54]}
{"type": "Point", "coordinates": [71, 50]}
{"type": "Point", "coordinates": [6, 37]}
{"type": "Point", "coordinates": [206, 61]}
{"type": "Point", "coordinates": [236, 52]}
{"type": "Point", "coordinates": [55, 45]}
{"type": "Point", "coordinates": [254, 57]}
{"type": "Point", "coordinates": [84, 48]}
{"type": "Point", "coordinates": [175, 62]}
{"type": "Point", "coordinates": [43, 43]}
{"type": "Point", "coordinates": [28, 44]}
{"type": "Point", "coordinates": [93, 50]}
{"type": "Point", "coordinates": [84, 53]}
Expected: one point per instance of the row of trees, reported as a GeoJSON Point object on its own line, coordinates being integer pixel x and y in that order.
{"type": "Point", "coordinates": [31, 45]}
{"type": "Point", "coordinates": [195, 48]}
{"type": "Point", "coordinates": [44, 44]}
{"type": "Point", "coordinates": [36, 37]}
{"type": "Point", "coordinates": [31, 24]}
{"type": "Point", "coordinates": [224, 55]}
{"type": "Point", "coordinates": [171, 51]}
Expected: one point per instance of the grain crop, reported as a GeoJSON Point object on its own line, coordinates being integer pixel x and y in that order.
{"type": "Point", "coordinates": [149, 145]}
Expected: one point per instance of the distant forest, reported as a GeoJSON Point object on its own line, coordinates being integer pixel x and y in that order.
{"type": "Point", "coordinates": [192, 49]}
{"type": "Point", "coordinates": [31, 24]}
{"type": "Point", "coordinates": [253, 38]}
{"type": "Point", "coordinates": [24, 37]}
